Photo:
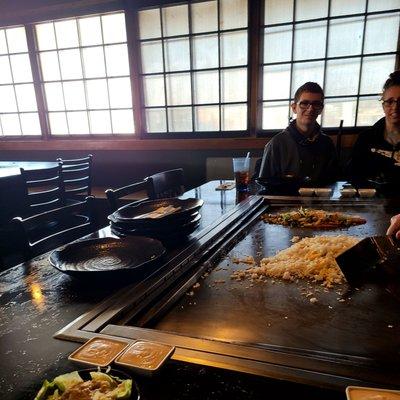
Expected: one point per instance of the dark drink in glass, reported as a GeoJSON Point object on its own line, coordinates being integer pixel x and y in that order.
{"type": "Point", "coordinates": [242, 179]}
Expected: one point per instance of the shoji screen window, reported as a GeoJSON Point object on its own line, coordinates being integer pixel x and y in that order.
{"type": "Point", "coordinates": [85, 75]}
{"type": "Point", "coordinates": [348, 47]}
{"type": "Point", "coordinates": [194, 66]}
{"type": "Point", "coordinates": [18, 107]}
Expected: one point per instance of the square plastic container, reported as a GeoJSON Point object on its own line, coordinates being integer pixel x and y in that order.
{"type": "Point", "coordinates": [348, 192]}
{"type": "Point", "coordinates": [366, 192]}
{"type": "Point", "coordinates": [366, 393]}
{"type": "Point", "coordinates": [99, 351]}
{"type": "Point", "coordinates": [145, 357]}
{"type": "Point", "coordinates": [323, 192]}
{"type": "Point", "coordinates": [306, 192]}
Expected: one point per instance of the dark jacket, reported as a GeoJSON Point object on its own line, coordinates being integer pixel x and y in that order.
{"type": "Point", "coordinates": [374, 158]}
{"type": "Point", "coordinates": [291, 153]}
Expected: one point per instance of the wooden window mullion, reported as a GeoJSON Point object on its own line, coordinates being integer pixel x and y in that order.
{"type": "Point", "coordinates": [255, 57]}
{"type": "Point", "coordinates": [135, 65]}
{"type": "Point", "coordinates": [37, 81]}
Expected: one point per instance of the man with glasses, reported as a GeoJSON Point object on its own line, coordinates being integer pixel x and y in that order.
{"type": "Point", "coordinates": [376, 154]}
{"type": "Point", "coordinates": [301, 151]}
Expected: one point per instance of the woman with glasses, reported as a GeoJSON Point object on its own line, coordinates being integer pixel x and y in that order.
{"type": "Point", "coordinates": [376, 154]}
{"type": "Point", "coordinates": [302, 151]}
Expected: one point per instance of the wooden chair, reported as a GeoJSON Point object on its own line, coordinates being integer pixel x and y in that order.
{"type": "Point", "coordinates": [51, 229]}
{"type": "Point", "coordinates": [77, 178]}
{"type": "Point", "coordinates": [166, 184]}
{"type": "Point", "coordinates": [118, 197]}
{"type": "Point", "coordinates": [12, 204]}
{"type": "Point", "coordinates": [44, 190]}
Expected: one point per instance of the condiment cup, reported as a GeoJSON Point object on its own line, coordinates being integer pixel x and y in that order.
{"type": "Point", "coordinates": [145, 357]}
{"type": "Point", "coordinates": [366, 393]}
{"type": "Point", "coordinates": [366, 192]}
{"type": "Point", "coordinates": [99, 351]}
{"type": "Point", "coordinates": [350, 192]}
{"type": "Point", "coordinates": [307, 192]}
{"type": "Point", "coordinates": [323, 192]}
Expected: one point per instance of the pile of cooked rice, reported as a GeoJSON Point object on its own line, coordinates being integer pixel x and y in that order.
{"type": "Point", "coordinates": [311, 258]}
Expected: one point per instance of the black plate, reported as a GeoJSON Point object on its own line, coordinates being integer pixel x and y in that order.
{"type": "Point", "coordinates": [162, 228]}
{"type": "Point", "coordinates": [85, 375]}
{"type": "Point", "coordinates": [180, 220]}
{"type": "Point", "coordinates": [106, 255]}
{"type": "Point", "coordinates": [133, 213]}
{"type": "Point", "coordinates": [163, 236]}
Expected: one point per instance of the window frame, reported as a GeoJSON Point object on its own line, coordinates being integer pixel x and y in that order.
{"type": "Point", "coordinates": [41, 82]}
{"type": "Point", "coordinates": [39, 13]}
{"type": "Point", "coordinates": [293, 23]}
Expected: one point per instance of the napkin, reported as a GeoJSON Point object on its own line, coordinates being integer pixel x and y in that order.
{"type": "Point", "coordinates": [159, 212]}
{"type": "Point", "coordinates": [225, 186]}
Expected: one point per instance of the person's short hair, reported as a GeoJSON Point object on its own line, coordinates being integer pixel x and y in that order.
{"type": "Point", "coordinates": [393, 80]}
{"type": "Point", "coordinates": [311, 87]}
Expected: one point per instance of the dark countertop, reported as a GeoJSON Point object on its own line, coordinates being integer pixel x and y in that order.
{"type": "Point", "coordinates": [37, 300]}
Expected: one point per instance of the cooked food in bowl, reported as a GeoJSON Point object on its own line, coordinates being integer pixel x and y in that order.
{"type": "Point", "coordinates": [98, 386]}
{"type": "Point", "coordinates": [310, 218]}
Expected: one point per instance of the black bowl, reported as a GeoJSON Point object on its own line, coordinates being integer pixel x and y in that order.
{"type": "Point", "coordinates": [85, 375]}
{"type": "Point", "coordinates": [136, 214]}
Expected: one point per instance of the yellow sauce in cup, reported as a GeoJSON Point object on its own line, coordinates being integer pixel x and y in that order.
{"type": "Point", "coordinates": [372, 394]}
{"type": "Point", "coordinates": [146, 355]}
{"type": "Point", "coordinates": [98, 351]}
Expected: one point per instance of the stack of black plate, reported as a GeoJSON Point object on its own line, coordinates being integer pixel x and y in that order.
{"type": "Point", "coordinates": [135, 219]}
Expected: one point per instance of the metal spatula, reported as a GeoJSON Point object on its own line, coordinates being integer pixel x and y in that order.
{"type": "Point", "coordinates": [381, 253]}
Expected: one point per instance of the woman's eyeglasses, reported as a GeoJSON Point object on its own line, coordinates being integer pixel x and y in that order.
{"type": "Point", "coordinates": [390, 102]}
{"type": "Point", "coordinates": [316, 105]}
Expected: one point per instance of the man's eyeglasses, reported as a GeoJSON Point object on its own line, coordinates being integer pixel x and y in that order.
{"type": "Point", "coordinates": [390, 102]}
{"type": "Point", "coordinates": [316, 105]}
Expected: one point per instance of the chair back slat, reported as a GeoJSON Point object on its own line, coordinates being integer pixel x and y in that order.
{"type": "Point", "coordinates": [166, 184]}
{"type": "Point", "coordinates": [76, 161]}
{"type": "Point", "coordinates": [50, 229]}
{"type": "Point", "coordinates": [115, 196]}
{"type": "Point", "coordinates": [60, 238]}
{"type": "Point", "coordinates": [43, 196]}
{"type": "Point", "coordinates": [84, 181]}
{"type": "Point", "coordinates": [77, 177]}
{"type": "Point", "coordinates": [43, 202]}
{"type": "Point", "coordinates": [76, 190]}
{"type": "Point", "coordinates": [76, 173]}
{"type": "Point", "coordinates": [53, 181]}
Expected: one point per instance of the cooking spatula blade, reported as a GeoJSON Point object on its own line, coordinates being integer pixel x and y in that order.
{"type": "Point", "coordinates": [367, 254]}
